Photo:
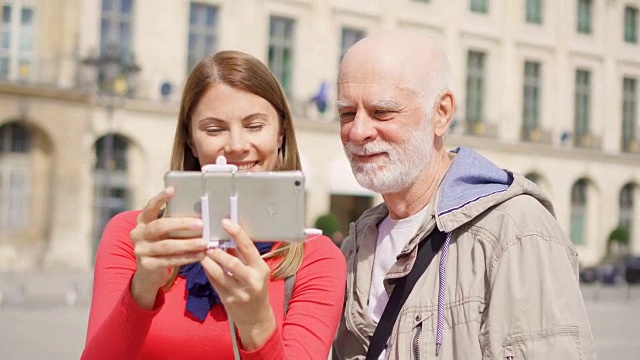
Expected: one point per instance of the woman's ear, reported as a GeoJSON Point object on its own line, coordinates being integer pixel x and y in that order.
{"type": "Point", "coordinates": [280, 141]}
{"type": "Point", "coordinates": [192, 147]}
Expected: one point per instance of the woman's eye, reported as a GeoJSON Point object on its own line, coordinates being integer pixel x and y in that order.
{"type": "Point", "coordinates": [255, 127]}
{"type": "Point", "coordinates": [213, 130]}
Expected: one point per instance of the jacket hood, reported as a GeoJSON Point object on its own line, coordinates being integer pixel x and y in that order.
{"type": "Point", "coordinates": [473, 184]}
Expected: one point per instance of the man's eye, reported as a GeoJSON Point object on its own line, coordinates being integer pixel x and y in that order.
{"type": "Point", "coordinates": [347, 115]}
{"type": "Point", "coordinates": [383, 114]}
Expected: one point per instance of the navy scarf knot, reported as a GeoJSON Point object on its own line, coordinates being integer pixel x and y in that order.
{"type": "Point", "coordinates": [201, 296]}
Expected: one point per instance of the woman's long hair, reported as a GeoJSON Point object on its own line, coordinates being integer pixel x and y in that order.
{"type": "Point", "coordinates": [243, 72]}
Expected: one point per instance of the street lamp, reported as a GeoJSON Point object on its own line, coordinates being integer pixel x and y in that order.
{"type": "Point", "coordinates": [116, 75]}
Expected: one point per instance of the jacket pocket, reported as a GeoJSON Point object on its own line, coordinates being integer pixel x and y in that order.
{"type": "Point", "coordinates": [409, 339]}
{"type": "Point", "coordinates": [558, 342]}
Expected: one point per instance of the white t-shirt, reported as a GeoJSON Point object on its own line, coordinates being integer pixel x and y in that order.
{"type": "Point", "coordinates": [393, 235]}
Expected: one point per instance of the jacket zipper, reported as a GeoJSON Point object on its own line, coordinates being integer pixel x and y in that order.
{"type": "Point", "coordinates": [349, 323]}
{"type": "Point", "coordinates": [416, 342]}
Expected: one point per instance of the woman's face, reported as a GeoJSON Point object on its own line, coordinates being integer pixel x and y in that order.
{"type": "Point", "coordinates": [243, 127]}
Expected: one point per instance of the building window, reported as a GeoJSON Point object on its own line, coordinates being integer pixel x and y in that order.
{"type": "Point", "coordinates": [629, 115]}
{"type": "Point", "coordinates": [531, 99]}
{"type": "Point", "coordinates": [533, 177]}
{"type": "Point", "coordinates": [474, 107]}
{"type": "Point", "coordinates": [111, 181]}
{"type": "Point", "coordinates": [534, 11]}
{"type": "Point", "coordinates": [203, 33]}
{"type": "Point", "coordinates": [626, 207]}
{"type": "Point", "coordinates": [15, 150]}
{"type": "Point", "coordinates": [115, 28]}
{"type": "Point", "coordinates": [479, 6]}
{"type": "Point", "coordinates": [630, 25]}
{"type": "Point", "coordinates": [349, 38]}
{"type": "Point", "coordinates": [17, 39]}
{"type": "Point", "coordinates": [584, 16]}
{"type": "Point", "coordinates": [348, 208]}
{"type": "Point", "coordinates": [582, 117]}
{"type": "Point", "coordinates": [578, 212]}
{"type": "Point", "coordinates": [281, 50]}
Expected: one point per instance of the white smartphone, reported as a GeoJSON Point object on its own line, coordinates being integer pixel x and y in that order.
{"type": "Point", "coordinates": [270, 205]}
{"type": "Point", "coordinates": [186, 200]}
{"type": "Point", "coordinates": [219, 188]}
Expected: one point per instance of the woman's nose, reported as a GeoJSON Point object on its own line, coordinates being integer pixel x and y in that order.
{"type": "Point", "coordinates": [237, 143]}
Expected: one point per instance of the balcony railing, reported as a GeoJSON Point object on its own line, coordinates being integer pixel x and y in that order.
{"type": "Point", "coordinates": [61, 72]}
{"type": "Point", "coordinates": [481, 129]}
{"type": "Point", "coordinates": [631, 146]}
{"type": "Point", "coordinates": [587, 141]}
{"type": "Point", "coordinates": [536, 135]}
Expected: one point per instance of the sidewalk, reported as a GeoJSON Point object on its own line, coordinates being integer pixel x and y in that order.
{"type": "Point", "coordinates": [45, 289]}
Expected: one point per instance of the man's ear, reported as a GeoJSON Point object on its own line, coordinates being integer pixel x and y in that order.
{"type": "Point", "coordinates": [444, 113]}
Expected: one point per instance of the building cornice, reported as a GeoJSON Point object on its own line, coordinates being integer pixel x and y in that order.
{"type": "Point", "coordinates": [43, 91]}
{"type": "Point", "coordinates": [543, 150]}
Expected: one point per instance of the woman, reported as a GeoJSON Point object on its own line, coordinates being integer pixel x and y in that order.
{"type": "Point", "coordinates": [151, 297]}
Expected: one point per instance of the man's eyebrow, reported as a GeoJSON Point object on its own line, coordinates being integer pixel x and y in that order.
{"type": "Point", "coordinates": [384, 104]}
{"type": "Point", "coordinates": [341, 104]}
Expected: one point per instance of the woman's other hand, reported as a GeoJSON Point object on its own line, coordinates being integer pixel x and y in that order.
{"type": "Point", "coordinates": [157, 252]}
{"type": "Point", "coordinates": [241, 279]}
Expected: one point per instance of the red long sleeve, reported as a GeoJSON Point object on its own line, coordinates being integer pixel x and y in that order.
{"type": "Point", "coordinates": [120, 329]}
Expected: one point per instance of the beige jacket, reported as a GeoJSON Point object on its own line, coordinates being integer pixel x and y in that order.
{"type": "Point", "coordinates": [510, 287]}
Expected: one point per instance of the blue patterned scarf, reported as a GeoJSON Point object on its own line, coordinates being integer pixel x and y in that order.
{"type": "Point", "coordinates": [201, 296]}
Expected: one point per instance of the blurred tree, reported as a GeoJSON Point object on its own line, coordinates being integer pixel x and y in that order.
{"type": "Point", "coordinates": [618, 241]}
{"type": "Point", "coordinates": [329, 225]}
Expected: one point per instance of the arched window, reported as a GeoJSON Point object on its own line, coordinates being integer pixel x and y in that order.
{"type": "Point", "coordinates": [626, 207]}
{"type": "Point", "coordinates": [15, 151]}
{"type": "Point", "coordinates": [112, 192]}
{"type": "Point", "coordinates": [578, 212]}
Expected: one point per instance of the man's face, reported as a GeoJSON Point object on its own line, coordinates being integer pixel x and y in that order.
{"type": "Point", "coordinates": [387, 136]}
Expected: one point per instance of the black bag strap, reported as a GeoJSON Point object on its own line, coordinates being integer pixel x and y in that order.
{"type": "Point", "coordinates": [427, 250]}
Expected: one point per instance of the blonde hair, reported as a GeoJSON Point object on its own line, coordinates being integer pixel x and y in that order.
{"type": "Point", "coordinates": [244, 72]}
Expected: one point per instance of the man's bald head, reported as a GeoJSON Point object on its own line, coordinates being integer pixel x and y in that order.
{"type": "Point", "coordinates": [410, 59]}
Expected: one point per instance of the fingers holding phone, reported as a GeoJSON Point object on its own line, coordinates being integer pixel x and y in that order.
{"type": "Point", "coordinates": [241, 277]}
{"type": "Point", "coordinates": [157, 251]}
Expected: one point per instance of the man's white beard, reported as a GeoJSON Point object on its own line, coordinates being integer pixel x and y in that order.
{"type": "Point", "coordinates": [403, 162]}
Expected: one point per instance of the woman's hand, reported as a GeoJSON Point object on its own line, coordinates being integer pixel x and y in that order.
{"type": "Point", "coordinates": [242, 282]}
{"type": "Point", "coordinates": [156, 252]}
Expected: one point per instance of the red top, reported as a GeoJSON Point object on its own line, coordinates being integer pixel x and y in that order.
{"type": "Point", "coordinates": [120, 329]}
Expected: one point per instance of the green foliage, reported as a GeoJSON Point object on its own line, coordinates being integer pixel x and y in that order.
{"type": "Point", "coordinates": [328, 223]}
{"type": "Point", "coordinates": [619, 234]}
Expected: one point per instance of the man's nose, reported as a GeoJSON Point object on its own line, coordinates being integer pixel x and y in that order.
{"type": "Point", "coordinates": [362, 129]}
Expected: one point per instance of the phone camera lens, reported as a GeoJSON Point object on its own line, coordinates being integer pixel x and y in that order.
{"type": "Point", "coordinates": [297, 183]}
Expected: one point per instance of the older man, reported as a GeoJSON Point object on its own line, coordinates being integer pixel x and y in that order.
{"type": "Point", "coordinates": [501, 275]}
